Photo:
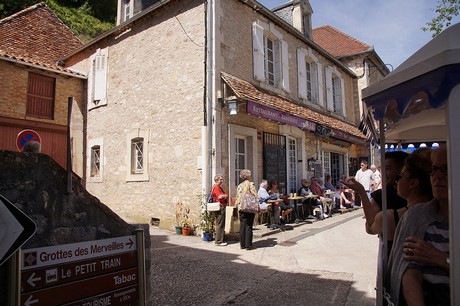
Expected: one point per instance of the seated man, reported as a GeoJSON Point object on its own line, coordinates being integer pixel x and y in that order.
{"type": "Point", "coordinates": [264, 196]}
{"type": "Point", "coordinates": [323, 202]}
{"type": "Point", "coordinates": [307, 204]}
{"type": "Point", "coordinates": [285, 208]}
{"type": "Point", "coordinates": [347, 199]}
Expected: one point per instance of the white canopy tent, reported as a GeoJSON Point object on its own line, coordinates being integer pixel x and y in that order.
{"type": "Point", "coordinates": [420, 101]}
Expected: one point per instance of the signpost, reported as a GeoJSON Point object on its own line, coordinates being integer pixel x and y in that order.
{"type": "Point", "coordinates": [25, 136]}
{"type": "Point", "coordinates": [15, 229]}
{"type": "Point", "coordinates": [99, 272]}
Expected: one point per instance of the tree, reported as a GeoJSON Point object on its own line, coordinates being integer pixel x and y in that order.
{"type": "Point", "coordinates": [446, 10]}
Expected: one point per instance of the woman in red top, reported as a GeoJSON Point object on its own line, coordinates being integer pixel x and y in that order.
{"type": "Point", "coordinates": [219, 195]}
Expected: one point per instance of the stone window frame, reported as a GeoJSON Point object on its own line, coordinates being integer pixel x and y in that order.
{"type": "Point", "coordinates": [261, 31]}
{"type": "Point", "coordinates": [92, 143]}
{"type": "Point", "coordinates": [307, 56]}
{"type": "Point", "coordinates": [133, 173]}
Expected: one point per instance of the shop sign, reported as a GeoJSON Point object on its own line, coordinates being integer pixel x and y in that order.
{"type": "Point", "coordinates": [275, 115]}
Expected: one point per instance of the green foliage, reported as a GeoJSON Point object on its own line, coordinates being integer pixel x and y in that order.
{"type": "Point", "coordinates": [445, 10]}
{"type": "Point", "coordinates": [81, 16]}
{"type": "Point", "coordinates": [80, 22]}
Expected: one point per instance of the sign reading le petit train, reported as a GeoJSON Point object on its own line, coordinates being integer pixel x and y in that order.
{"type": "Point", "coordinates": [99, 272]}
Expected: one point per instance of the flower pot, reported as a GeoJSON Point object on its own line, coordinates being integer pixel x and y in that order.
{"type": "Point", "coordinates": [178, 230]}
{"type": "Point", "coordinates": [207, 236]}
{"type": "Point", "coordinates": [186, 231]}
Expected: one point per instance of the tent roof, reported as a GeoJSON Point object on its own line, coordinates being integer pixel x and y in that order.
{"type": "Point", "coordinates": [422, 82]}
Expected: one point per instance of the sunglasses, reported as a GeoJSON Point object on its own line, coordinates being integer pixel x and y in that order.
{"type": "Point", "coordinates": [442, 168]}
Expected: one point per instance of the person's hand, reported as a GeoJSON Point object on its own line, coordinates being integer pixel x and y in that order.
{"type": "Point", "coordinates": [354, 185]}
{"type": "Point", "coordinates": [424, 253]}
{"type": "Point", "coordinates": [222, 196]}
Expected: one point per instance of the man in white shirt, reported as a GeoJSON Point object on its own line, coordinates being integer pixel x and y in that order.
{"type": "Point", "coordinates": [376, 180]}
{"type": "Point", "coordinates": [364, 177]}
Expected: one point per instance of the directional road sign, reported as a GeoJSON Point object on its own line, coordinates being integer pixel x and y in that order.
{"type": "Point", "coordinates": [15, 229]}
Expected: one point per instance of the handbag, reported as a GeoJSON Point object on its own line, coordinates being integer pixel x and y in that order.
{"type": "Point", "coordinates": [211, 205]}
{"type": "Point", "coordinates": [249, 203]}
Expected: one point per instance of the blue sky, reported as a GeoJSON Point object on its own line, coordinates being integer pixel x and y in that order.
{"type": "Point", "coordinates": [391, 26]}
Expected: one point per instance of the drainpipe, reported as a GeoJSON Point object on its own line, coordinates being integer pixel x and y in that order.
{"type": "Point", "coordinates": [209, 98]}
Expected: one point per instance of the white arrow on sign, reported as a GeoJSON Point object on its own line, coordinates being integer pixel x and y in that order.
{"type": "Point", "coordinates": [15, 228]}
{"type": "Point", "coordinates": [30, 301]}
{"type": "Point", "coordinates": [31, 281]}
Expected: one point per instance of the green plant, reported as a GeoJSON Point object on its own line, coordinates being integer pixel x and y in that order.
{"type": "Point", "coordinates": [207, 222]}
{"type": "Point", "coordinates": [182, 215]}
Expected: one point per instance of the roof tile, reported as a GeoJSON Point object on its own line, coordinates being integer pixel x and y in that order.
{"type": "Point", "coordinates": [338, 43]}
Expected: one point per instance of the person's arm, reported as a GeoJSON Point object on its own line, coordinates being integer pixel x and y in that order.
{"type": "Point", "coordinates": [370, 207]}
{"type": "Point", "coordinates": [412, 287]}
{"type": "Point", "coordinates": [376, 228]}
{"type": "Point", "coordinates": [422, 252]}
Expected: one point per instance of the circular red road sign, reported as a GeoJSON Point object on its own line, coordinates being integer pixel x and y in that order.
{"type": "Point", "coordinates": [25, 136]}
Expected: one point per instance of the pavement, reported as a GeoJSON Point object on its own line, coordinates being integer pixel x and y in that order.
{"type": "Point", "coordinates": [327, 262]}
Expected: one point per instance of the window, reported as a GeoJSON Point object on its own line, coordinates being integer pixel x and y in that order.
{"type": "Point", "coordinates": [309, 76]}
{"type": "Point", "coordinates": [137, 154]}
{"type": "Point", "coordinates": [95, 161]}
{"type": "Point", "coordinates": [292, 165]}
{"type": "Point", "coordinates": [99, 80]}
{"type": "Point", "coordinates": [240, 157]}
{"type": "Point", "coordinates": [242, 146]}
{"type": "Point", "coordinates": [337, 95]}
{"type": "Point", "coordinates": [335, 91]}
{"type": "Point", "coordinates": [271, 60]}
{"type": "Point", "coordinates": [40, 96]}
{"type": "Point", "coordinates": [270, 55]}
{"type": "Point", "coordinates": [137, 148]}
{"type": "Point", "coordinates": [127, 10]}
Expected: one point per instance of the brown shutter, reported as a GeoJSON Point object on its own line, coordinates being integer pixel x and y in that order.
{"type": "Point", "coordinates": [40, 96]}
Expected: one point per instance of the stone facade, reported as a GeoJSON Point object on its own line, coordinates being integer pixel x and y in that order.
{"type": "Point", "coordinates": [156, 91]}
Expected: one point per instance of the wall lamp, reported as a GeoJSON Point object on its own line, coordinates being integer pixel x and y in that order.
{"type": "Point", "coordinates": [232, 107]}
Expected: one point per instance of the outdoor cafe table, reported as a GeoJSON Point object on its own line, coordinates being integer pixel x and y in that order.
{"type": "Point", "coordinates": [297, 204]}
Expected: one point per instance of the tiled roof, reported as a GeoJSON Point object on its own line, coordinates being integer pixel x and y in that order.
{"type": "Point", "coordinates": [247, 91]}
{"type": "Point", "coordinates": [36, 36]}
{"type": "Point", "coordinates": [338, 43]}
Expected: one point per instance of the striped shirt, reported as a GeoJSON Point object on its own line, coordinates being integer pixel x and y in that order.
{"type": "Point", "coordinates": [436, 234]}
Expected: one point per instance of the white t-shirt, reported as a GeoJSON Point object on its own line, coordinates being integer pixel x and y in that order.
{"type": "Point", "coordinates": [365, 178]}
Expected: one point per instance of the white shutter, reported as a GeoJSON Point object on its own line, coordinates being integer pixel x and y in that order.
{"type": "Point", "coordinates": [284, 65]}
{"type": "Point", "coordinates": [301, 74]}
{"type": "Point", "coordinates": [319, 72]}
{"type": "Point", "coordinates": [329, 91]}
{"type": "Point", "coordinates": [258, 51]}
{"type": "Point", "coordinates": [100, 77]}
{"type": "Point", "coordinates": [342, 85]}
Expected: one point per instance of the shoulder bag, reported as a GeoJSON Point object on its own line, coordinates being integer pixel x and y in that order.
{"type": "Point", "coordinates": [211, 205]}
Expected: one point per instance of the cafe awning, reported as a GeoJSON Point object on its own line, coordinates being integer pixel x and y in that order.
{"type": "Point", "coordinates": [251, 93]}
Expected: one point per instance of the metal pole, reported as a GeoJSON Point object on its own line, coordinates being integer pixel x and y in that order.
{"type": "Point", "coordinates": [141, 265]}
{"type": "Point", "coordinates": [69, 149]}
{"type": "Point", "coordinates": [14, 270]}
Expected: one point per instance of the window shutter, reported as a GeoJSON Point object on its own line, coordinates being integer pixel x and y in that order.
{"type": "Point", "coordinates": [319, 72]}
{"type": "Point", "coordinates": [329, 91]}
{"type": "Point", "coordinates": [301, 74]}
{"type": "Point", "coordinates": [342, 85]}
{"type": "Point", "coordinates": [100, 77]}
{"type": "Point", "coordinates": [284, 65]}
{"type": "Point", "coordinates": [258, 51]}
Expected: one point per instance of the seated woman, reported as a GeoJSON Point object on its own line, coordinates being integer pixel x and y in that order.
{"type": "Point", "coordinates": [265, 196]}
{"type": "Point", "coordinates": [285, 209]}
{"type": "Point", "coordinates": [347, 199]}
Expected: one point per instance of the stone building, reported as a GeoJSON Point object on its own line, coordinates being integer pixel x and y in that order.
{"type": "Point", "coordinates": [35, 89]}
{"type": "Point", "coordinates": [183, 90]}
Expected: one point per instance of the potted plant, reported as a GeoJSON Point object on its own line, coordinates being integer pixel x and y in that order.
{"type": "Point", "coordinates": [207, 225]}
{"type": "Point", "coordinates": [179, 213]}
{"type": "Point", "coordinates": [186, 227]}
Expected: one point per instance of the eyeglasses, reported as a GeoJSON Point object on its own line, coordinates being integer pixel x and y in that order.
{"type": "Point", "coordinates": [442, 168]}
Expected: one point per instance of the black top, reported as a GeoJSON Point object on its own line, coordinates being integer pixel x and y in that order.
{"type": "Point", "coordinates": [394, 201]}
